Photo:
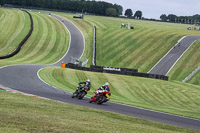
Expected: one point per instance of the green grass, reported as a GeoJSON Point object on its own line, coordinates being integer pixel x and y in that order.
{"type": "Point", "coordinates": [22, 114]}
{"type": "Point", "coordinates": [187, 64]}
{"type": "Point", "coordinates": [195, 79]}
{"type": "Point", "coordinates": [47, 44]}
{"type": "Point", "coordinates": [14, 26]}
{"type": "Point", "coordinates": [171, 97]}
{"type": "Point", "coordinates": [140, 48]}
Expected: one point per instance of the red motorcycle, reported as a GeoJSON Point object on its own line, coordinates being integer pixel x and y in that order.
{"type": "Point", "coordinates": [100, 96]}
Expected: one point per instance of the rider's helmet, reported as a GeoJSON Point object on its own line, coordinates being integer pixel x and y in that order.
{"type": "Point", "coordinates": [106, 84]}
{"type": "Point", "coordinates": [87, 80]}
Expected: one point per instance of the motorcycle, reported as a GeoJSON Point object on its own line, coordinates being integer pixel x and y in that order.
{"type": "Point", "coordinates": [100, 96]}
{"type": "Point", "coordinates": [80, 92]}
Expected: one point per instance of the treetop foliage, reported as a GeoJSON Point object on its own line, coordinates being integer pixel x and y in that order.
{"type": "Point", "coordinates": [88, 6]}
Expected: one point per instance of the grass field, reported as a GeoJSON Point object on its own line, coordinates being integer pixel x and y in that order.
{"type": "Point", "coordinates": [140, 48]}
{"type": "Point", "coordinates": [171, 97]}
{"type": "Point", "coordinates": [47, 44]}
{"type": "Point", "coordinates": [187, 64]}
{"type": "Point", "coordinates": [22, 114]}
{"type": "Point", "coordinates": [116, 47]}
{"type": "Point", "coordinates": [14, 26]}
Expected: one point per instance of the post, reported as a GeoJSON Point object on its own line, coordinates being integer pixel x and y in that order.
{"type": "Point", "coordinates": [63, 64]}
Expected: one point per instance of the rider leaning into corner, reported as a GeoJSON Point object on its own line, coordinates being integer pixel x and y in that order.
{"type": "Point", "coordinates": [105, 87]}
{"type": "Point", "coordinates": [86, 84]}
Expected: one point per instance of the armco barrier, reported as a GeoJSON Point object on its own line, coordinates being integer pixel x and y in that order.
{"type": "Point", "coordinates": [94, 46]}
{"type": "Point", "coordinates": [121, 71]}
{"type": "Point", "coordinates": [22, 42]}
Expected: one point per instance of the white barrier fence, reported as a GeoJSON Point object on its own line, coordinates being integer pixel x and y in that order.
{"type": "Point", "coordinates": [188, 77]}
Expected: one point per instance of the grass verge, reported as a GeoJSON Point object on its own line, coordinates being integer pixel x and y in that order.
{"type": "Point", "coordinates": [22, 114]}
{"type": "Point", "coordinates": [47, 44]}
{"type": "Point", "coordinates": [140, 48]}
{"type": "Point", "coordinates": [14, 26]}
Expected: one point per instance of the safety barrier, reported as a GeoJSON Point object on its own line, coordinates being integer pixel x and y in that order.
{"type": "Point", "coordinates": [94, 47]}
{"type": "Point", "coordinates": [113, 70]}
{"type": "Point", "coordinates": [193, 73]}
{"type": "Point", "coordinates": [22, 42]}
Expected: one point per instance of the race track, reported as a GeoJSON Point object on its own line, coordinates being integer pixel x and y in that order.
{"type": "Point", "coordinates": [24, 78]}
{"type": "Point", "coordinates": [171, 58]}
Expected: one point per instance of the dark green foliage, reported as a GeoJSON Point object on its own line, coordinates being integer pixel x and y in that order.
{"type": "Point", "coordinates": [180, 19]}
{"type": "Point", "coordinates": [163, 17]}
{"type": "Point", "coordinates": [111, 12]}
{"type": "Point", "coordinates": [138, 14]}
{"type": "Point", "coordinates": [128, 13]}
{"type": "Point", "coordinates": [172, 17]}
{"type": "Point", "coordinates": [94, 7]}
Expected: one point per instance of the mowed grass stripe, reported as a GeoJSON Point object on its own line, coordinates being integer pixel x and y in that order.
{"type": "Point", "coordinates": [127, 46]}
{"type": "Point", "coordinates": [108, 40]}
{"type": "Point", "coordinates": [19, 28]}
{"type": "Point", "coordinates": [33, 41]}
{"type": "Point", "coordinates": [43, 34]}
{"type": "Point", "coordinates": [170, 97]}
{"type": "Point", "coordinates": [47, 44]}
{"type": "Point", "coordinates": [14, 27]}
{"type": "Point", "coordinates": [130, 49]}
{"type": "Point", "coordinates": [161, 35]}
{"type": "Point", "coordinates": [155, 48]}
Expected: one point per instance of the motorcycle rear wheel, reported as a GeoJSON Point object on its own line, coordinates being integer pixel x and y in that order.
{"type": "Point", "coordinates": [81, 95]}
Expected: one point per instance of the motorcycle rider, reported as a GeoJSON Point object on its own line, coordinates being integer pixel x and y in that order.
{"type": "Point", "coordinates": [105, 87]}
{"type": "Point", "coordinates": [87, 84]}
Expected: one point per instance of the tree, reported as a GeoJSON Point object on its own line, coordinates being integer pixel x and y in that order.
{"type": "Point", "coordinates": [111, 12]}
{"type": "Point", "coordinates": [128, 13]}
{"type": "Point", "coordinates": [119, 9]}
{"type": "Point", "coordinates": [172, 17]}
{"type": "Point", "coordinates": [163, 17]}
{"type": "Point", "coordinates": [138, 14]}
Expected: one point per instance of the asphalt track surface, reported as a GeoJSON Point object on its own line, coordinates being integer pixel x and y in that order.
{"type": "Point", "coordinates": [171, 58]}
{"type": "Point", "coordinates": [24, 78]}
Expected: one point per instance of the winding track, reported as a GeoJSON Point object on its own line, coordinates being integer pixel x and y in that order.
{"type": "Point", "coordinates": [24, 78]}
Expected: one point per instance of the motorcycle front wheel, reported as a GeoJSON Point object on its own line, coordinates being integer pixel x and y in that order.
{"type": "Point", "coordinates": [101, 100]}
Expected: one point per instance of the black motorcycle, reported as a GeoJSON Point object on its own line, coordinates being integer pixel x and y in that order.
{"type": "Point", "coordinates": [80, 92]}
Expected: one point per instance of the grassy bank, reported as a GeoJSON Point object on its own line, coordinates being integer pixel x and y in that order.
{"type": "Point", "coordinates": [140, 48]}
{"type": "Point", "coordinates": [22, 114]}
{"type": "Point", "coordinates": [47, 44]}
{"type": "Point", "coordinates": [14, 26]}
{"type": "Point", "coordinates": [171, 97]}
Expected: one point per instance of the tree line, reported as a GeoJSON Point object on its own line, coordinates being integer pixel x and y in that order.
{"type": "Point", "coordinates": [86, 6]}
{"type": "Point", "coordinates": [195, 19]}
{"type": "Point", "coordinates": [129, 14]}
